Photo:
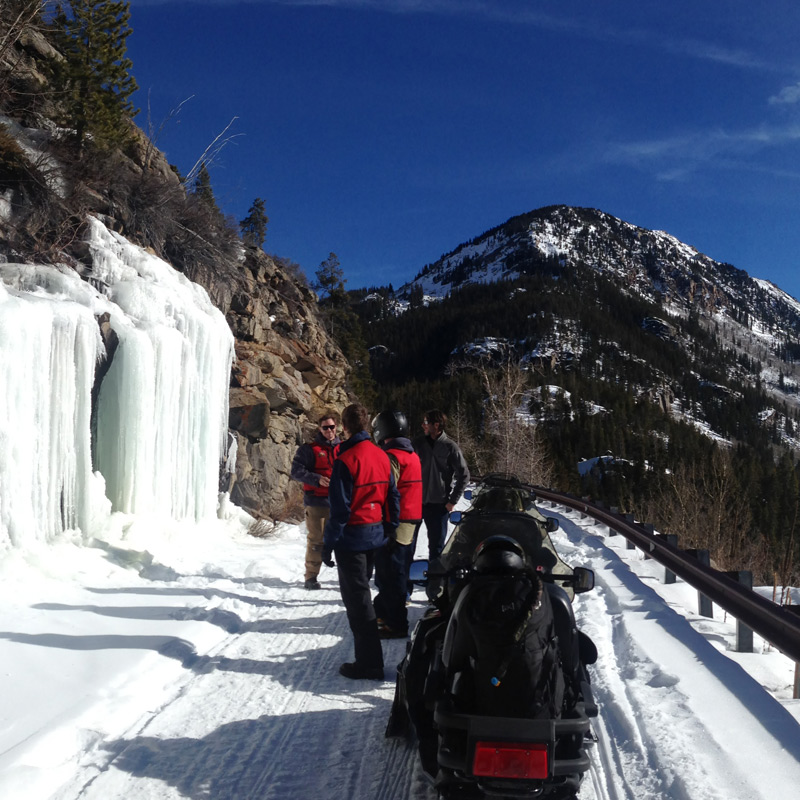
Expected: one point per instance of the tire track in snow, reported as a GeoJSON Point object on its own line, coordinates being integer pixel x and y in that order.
{"type": "Point", "coordinates": [265, 716]}
{"type": "Point", "coordinates": [660, 746]}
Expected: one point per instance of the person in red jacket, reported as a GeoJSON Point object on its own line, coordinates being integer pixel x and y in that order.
{"type": "Point", "coordinates": [312, 466]}
{"type": "Point", "coordinates": [365, 508]}
{"type": "Point", "coordinates": [390, 430]}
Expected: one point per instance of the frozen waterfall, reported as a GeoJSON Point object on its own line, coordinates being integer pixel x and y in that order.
{"type": "Point", "coordinates": [162, 409]}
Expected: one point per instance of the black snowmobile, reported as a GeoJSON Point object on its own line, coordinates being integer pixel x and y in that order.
{"type": "Point", "coordinates": [494, 684]}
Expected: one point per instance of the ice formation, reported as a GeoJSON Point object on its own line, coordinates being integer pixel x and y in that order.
{"type": "Point", "coordinates": [162, 410]}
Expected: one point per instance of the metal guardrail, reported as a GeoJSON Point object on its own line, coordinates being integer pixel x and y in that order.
{"type": "Point", "coordinates": [774, 623]}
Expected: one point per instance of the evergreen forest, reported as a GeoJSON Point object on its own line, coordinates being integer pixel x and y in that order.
{"type": "Point", "coordinates": [664, 411]}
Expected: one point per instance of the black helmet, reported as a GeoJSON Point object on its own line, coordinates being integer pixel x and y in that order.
{"type": "Point", "coordinates": [389, 425]}
{"type": "Point", "coordinates": [499, 555]}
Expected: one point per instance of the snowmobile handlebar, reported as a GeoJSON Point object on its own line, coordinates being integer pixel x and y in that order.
{"type": "Point", "coordinates": [580, 580]}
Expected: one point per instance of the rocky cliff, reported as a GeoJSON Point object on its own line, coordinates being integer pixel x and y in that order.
{"type": "Point", "coordinates": [287, 370]}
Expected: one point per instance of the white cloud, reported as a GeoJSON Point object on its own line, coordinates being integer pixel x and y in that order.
{"type": "Point", "coordinates": [786, 96]}
{"type": "Point", "coordinates": [677, 157]}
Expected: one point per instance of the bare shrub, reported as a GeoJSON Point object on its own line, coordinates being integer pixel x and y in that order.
{"type": "Point", "coordinates": [704, 506]}
{"type": "Point", "coordinates": [286, 508]}
{"type": "Point", "coordinates": [262, 529]}
{"type": "Point", "coordinates": [478, 457]}
{"type": "Point", "coordinates": [516, 445]}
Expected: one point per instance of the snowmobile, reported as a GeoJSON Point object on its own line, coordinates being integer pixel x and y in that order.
{"type": "Point", "coordinates": [494, 685]}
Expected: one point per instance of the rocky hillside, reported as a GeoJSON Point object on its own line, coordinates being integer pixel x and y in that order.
{"type": "Point", "coordinates": [750, 317]}
{"type": "Point", "coordinates": [286, 370]}
{"type": "Point", "coordinates": [652, 264]}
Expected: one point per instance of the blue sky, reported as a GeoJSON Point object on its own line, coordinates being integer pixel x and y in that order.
{"type": "Point", "coordinates": [390, 132]}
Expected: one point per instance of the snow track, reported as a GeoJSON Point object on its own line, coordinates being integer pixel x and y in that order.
{"type": "Point", "coordinates": [666, 729]}
{"type": "Point", "coordinates": [231, 691]}
{"type": "Point", "coordinates": [264, 714]}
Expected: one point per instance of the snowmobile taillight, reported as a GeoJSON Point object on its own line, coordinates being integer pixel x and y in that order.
{"type": "Point", "coordinates": [510, 760]}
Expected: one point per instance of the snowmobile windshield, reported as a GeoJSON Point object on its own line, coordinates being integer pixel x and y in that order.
{"type": "Point", "coordinates": [474, 528]}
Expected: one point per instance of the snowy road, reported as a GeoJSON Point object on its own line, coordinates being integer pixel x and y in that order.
{"type": "Point", "coordinates": [263, 714]}
{"type": "Point", "coordinates": [215, 676]}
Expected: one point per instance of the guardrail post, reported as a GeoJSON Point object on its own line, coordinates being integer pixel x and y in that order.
{"type": "Point", "coordinates": [611, 531]}
{"type": "Point", "coordinates": [705, 608]}
{"type": "Point", "coordinates": [651, 529]}
{"type": "Point", "coordinates": [669, 538]}
{"type": "Point", "coordinates": [744, 634]}
{"type": "Point", "coordinates": [629, 545]}
{"type": "Point", "coordinates": [793, 609]}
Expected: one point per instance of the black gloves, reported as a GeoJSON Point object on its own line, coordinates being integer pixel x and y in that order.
{"type": "Point", "coordinates": [327, 557]}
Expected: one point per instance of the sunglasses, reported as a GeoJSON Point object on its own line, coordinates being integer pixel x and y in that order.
{"type": "Point", "coordinates": [328, 427]}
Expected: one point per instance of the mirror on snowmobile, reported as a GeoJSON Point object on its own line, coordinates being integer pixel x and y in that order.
{"type": "Point", "coordinates": [582, 579]}
{"type": "Point", "coordinates": [418, 573]}
{"type": "Point", "coordinates": [551, 525]}
{"type": "Point", "coordinates": [455, 517]}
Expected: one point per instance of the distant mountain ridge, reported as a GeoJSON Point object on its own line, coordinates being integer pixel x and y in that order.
{"type": "Point", "coordinates": [653, 264]}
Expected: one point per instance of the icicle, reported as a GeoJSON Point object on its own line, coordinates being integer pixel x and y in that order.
{"type": "Point", "coordinates": [164, 404]}
{"type": "Point", "coordinates": [49, 346]}
{"type": "Point", "coordinates": [162, 411]}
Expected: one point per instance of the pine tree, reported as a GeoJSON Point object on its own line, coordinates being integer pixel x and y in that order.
{"type": "Point", "coordinates": [203, 190]}
{"type": "Point", "coordinates": [95, 74]}
{"type": "Point", "coordinates": [330, 280]}
{"type": "Point", "coordinates": [254, 225]}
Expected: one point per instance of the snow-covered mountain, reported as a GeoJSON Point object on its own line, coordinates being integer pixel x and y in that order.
{"type": "Point", "coordinates": [592, 285]}
{"type": "Point", "coordinates": [653, 264]}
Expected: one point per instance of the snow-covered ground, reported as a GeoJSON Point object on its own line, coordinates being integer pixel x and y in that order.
{"type": "Point", "coordinates": [175, 660]}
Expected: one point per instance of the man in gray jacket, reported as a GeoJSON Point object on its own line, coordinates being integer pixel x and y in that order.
{"type": "Point", "coordinates": [444, 476]}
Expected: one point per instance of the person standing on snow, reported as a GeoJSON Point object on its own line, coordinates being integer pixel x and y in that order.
{"type": "Point", "coordinates": [392, 562]}
{"type": "Point", "coordinates": [312, 466]}
{"type": "Point", "coordinates": [365, 508]}
{"type": "Point", "coordinates": [444, 477]}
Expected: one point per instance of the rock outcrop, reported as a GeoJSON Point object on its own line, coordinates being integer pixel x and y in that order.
{"type": "Point", "coordinates": [287, 370]}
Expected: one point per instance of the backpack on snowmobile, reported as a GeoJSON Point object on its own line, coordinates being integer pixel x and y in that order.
{"type": "Point", "coordinates": [501, 649]}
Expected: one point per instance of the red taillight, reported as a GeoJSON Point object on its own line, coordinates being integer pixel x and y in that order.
{"type": "Point", "coordinates": [510, 760]}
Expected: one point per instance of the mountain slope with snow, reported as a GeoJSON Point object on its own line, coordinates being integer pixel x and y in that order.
{"type": "Point", "coordinates": [752, 317]}
{"type": "Point", "coordinates": [653, 264]}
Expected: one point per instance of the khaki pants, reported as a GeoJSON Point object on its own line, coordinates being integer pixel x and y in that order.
{"type": "Point", "coordinates": [316, 517]}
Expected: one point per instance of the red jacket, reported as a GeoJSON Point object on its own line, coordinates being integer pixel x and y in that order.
{"type": "Point", "coordinates": [323, 465]}
{"type": "Point", "coordinates": [371, 472]}
{"type": "Point", "coordinates": [409, 484]}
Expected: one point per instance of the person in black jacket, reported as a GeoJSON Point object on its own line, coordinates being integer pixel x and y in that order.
{"type": "Point", "coordinates": [312, 466]}
{"type": "Point", "coordinates": [444, 477]}
{"type": "Point", "coordinates": [365, 509]}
